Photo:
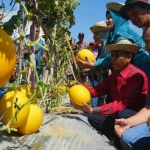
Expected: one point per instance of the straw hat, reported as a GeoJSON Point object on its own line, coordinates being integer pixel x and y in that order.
{"type": "Point", "coordinates": [99, 26]}
{"type": "Point", "coordinates": [124, 45]}
{"type": "Point", "coordinates": [114, 6]}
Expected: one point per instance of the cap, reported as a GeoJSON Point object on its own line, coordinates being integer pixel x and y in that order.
{"type": "Point", "coordinates": [81, 34]}
{"type": "Point", "coordinates": [92, 43]}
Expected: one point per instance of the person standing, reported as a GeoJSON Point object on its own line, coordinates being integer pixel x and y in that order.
{"type": "Point", "coordinates": [77, 47]}
{"type": "Point", "coordinates": [80, 44]}
{"type": "Point", "coordinates": [100, 34]}
{"type": "Point", "coordinates": [39, 52]}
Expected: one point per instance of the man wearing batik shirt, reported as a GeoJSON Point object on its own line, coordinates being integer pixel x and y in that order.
{"type": "Point", "coordinates": [127, 85]}
{"type": "Point", "coordinates": [80, 44]}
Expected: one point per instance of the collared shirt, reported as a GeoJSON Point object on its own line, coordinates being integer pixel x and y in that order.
{"type": "Point", "coordinates": [128, 90]}
{"type": "Point", "coordinates": [81, 45]}
{"type": "Point", "coordinates": [38, 55]}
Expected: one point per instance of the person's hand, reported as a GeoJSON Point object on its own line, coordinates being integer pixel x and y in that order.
{"type": "Point", "coordinates": [85, 108]}
{"type": "Point", "coordinates": [44, 58]}
{"type": "Point", "coordinates": [121, 125]}
{"type": "Point", "coordinates": [109, 72]}
{"type": "Point", "coordinates": [148, 122]}
{"type": "Point", "coordinates": [86, 64]}
{"type": "Point", "coordinates": [37, 50]}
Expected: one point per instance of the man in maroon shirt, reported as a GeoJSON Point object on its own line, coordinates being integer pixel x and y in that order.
{"type": "Point", "coordinates": [127, 85]}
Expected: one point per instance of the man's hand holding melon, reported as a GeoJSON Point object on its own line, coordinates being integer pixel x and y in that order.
{"type": "Point", "coordinates": [80, 97]}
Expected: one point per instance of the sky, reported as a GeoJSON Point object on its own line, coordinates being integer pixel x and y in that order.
{"type": "Point", "coordinates": [86, 15]}
{"type": "Point", "coordinates": [90, 12]}
{"type": "Point", "coordinates": [7, 9]}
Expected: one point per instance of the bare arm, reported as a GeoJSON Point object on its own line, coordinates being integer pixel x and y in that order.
{"type": "Point", "coordinates": [44, 57]}
{"type": "Point", "coordinates": [140, 117]}
{"type": "Point", "coordinates": [26, 53]}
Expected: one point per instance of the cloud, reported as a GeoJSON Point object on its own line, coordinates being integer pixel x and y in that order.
{"type": "Point", "coordinates": [16, 34]}
{"type": "Point", "coordinates": [11, 13]}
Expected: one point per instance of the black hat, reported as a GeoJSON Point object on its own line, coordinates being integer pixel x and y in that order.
{"type": "Point", "coordinates": [130, 4]}
{"type": "Point", "coordinates": [81, 34]}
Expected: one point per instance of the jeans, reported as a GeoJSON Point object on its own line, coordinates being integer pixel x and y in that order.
{"type": "Point", "coordinates": [105, 124]}
{"type": "Point", "coordinates": [3, 91]}
{"type": "Point", "coordinates": [136, 138]}
{"type": "Point", "coordinates": [94, 99]}
{"type": "Point", "coordinates": [38, 71]}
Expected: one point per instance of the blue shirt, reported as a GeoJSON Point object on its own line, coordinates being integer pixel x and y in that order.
{"type": "Point", "coordinates": [37, 55]}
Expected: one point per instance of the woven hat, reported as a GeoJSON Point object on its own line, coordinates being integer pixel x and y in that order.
{"type": "Point", "coordinates": [99, 26]}
{"type": "Point", "coordinates": [114, 6]}
{"type": "Point", "coordinates": [124, 45]}
{"type": "Point", "coordinates": [130, 4]}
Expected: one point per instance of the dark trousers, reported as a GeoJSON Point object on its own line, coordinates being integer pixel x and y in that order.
{"type": "Point", "coordinates": [105, 124]}
{"type": "Point", "coordinates": [142, 144]}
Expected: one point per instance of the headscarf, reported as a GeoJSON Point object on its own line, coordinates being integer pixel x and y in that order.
{"type": "Point", "coordinates": [122, 30]}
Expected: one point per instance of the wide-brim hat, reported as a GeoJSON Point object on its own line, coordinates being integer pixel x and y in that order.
{"type": "Point", "coordinates": [124, 45]}
{"type": "Point", "coordinates": [130, 4]}
{"type": "Point", "coordinates": [114, 6]}
{"type": "Point", "coordinates": [99, 26]}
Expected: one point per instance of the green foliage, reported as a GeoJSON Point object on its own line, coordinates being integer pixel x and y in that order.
{"type": "Point", "coordinates": [56, 17]}
{"type": "Point", "coordinates": [42, 85]}
{"type": "Point", "coordinates": [13, 23]}
{"type": "Point", "coordinates": [11, 87]}
{"type": "Point", "coordinates": [2, 6]}
{"type": "Point", "coordinates": [54, 12]}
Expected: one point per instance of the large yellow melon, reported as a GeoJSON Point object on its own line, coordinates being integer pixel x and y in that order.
{"type": "Point", "coordinates": [8, 103]}
{"type": "Point", "coordinates": [33, 121]}
{"type": "Point", "coordinates": [7, 57]}
{"type": "Point", "coordinates": [79, 94]}
{"type": "Point", "coordinates": [85, 52]}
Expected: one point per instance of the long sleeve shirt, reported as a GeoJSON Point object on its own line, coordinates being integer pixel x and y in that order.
{"type": "Point", "coordinates": [128, 89]}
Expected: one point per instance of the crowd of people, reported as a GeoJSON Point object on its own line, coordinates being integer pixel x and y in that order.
{"type": "Point", "coordinates": [120, 76]}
